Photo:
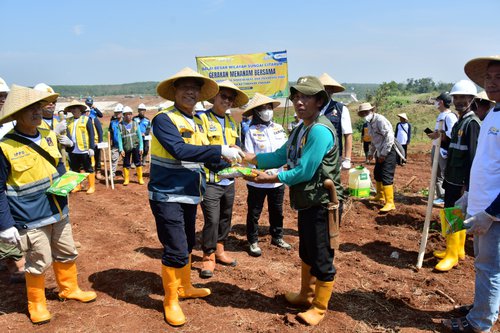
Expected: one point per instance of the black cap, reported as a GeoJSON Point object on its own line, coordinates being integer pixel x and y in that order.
{"type": "Point", "coordinates": [445, 97]}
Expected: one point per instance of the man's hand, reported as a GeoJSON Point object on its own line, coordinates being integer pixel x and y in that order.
{"type": "Point", "coordinates": [370, 157]}
{"type": "Point", "coordinates": [122, 153]}
{"type": "Point", "coordinates": [65, 141]}
{"type": "Point", "coordinates": [91, 152]}
{"type": "Point", "coordinates": [61, 127]}
{"type": "Point", "coordinates": [346, 164]}
{"type": "Point", "coordinates": [10, 236]}
{"type": "Point", "coordinates": [262, 177]}
{"type": "Point", "coordinates": [232, 154]}
{"type": "Point", "coordinates": [462, 202]}
{"type": "Point", "coordinates": [140, 152]}
{"type": "Point", "coordinates": [381, 159]}
{"type": "Point", "coordinates": [479, 223]}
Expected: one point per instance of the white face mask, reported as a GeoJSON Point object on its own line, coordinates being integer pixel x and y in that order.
{"type": "Point", "coordinates": [266, 115]}
{"type": "Point", "coordinates": [436, 104]}
{"type": "Point", "coordinates": [369, 117]}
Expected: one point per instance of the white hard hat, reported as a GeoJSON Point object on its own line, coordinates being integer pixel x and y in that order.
{"type": "Point", "coordinates": [464, 87]}
{"type": "Point", "coordinates": [3, 86]}
{"type": "Point", "coordinates": [127, 109]}
{"type": "Point", "coordinates": [228, 111]}
{"type": "Point", "coordinates": [44, 87]}
{"type": "Point", "coordinates": [118, 107]}
{"type": "Point", "coordinates": [141, 107]}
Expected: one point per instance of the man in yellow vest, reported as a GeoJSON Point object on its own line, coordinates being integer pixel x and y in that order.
{"type": "Point", "coordinates": [217, 204]}
{"type": "Point", "coordinates": [177, 181]}
{"type": "Point", "coordinates": [130, 145]}
{"type": "Point", "coordinates": [81, 131]}
{"type": "Point", "coordinates": [37, 222]}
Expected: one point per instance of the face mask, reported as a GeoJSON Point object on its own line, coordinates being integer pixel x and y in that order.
{"type": "Point", "coordinates": [436, 104]}
{"type": "Point", "coordinates": [265, 115]}
{"type": "Point", "coordinates": [369, 117]}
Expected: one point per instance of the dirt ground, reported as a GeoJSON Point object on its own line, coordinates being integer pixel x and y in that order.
{"type": "Point", "coordinates": [374, 291]}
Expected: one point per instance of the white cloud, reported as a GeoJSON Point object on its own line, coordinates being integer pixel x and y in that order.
{"type": "Point", "coordinates": [78, 29]}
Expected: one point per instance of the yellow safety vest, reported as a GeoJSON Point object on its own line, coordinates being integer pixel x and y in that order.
{"type": "Point", "coordinates": [44, 125]}
{"type": "Point", "coordinates": [216, 137]}
{"type": "Point", "coordinates": [172, 180]}
{"type": "Point", "coordinates": [82, 135]}
{"type": "Point", "coordinates": [29, 177]}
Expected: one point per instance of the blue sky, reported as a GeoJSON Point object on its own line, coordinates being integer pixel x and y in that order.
{"type": "Point", "coordinates": [363, 41]}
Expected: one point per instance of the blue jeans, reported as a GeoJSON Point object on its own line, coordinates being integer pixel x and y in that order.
{"type": "Point", "coordinates": [487, 295]}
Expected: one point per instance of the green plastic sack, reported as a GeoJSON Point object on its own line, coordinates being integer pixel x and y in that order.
{"type": "Point", "coordinates": [67, 182]}
{"type": "Point", "coordinates": [236, 171]}
{"type": "Point", "coordinates": [452, 220]}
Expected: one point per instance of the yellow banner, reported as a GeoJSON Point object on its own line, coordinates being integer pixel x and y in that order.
{"type": "Point", "coordinates": [265, 73]}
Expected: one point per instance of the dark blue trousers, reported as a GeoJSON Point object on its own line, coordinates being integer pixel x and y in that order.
{"type": "Point", "coordinates": [175, 225]}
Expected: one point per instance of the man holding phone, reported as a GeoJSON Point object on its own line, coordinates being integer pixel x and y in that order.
{"type": "Point", "coordinates": [442, 103]}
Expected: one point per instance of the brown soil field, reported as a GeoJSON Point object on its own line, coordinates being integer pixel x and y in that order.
{"type": "Point", "coordinates": [374, 292]}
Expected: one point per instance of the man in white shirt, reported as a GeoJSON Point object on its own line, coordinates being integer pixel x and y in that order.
{"type": "Point", "coordinates": [339, 115]}
{"type": "Point", "coordinates": [403, 135]}
{"type": "Point", "coordinates": [442, 103]}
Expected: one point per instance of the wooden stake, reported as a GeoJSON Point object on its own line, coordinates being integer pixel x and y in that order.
{"type": "Point", "coordinates": [110, 165]}
{"type": "Point", "coordinates": [430, 199]}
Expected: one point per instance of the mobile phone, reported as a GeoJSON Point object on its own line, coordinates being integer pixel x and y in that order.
{"type": "Point", "coordinates": [428, 130]}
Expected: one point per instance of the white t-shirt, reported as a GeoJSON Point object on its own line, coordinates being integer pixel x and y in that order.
{"type": "Point", "coordinates": [265, 139]}
{"type": "Point", "coordinates": [449, 119]}
{"type": "Point", "coordinates": [6, 128]}
{"type": "Point", "coordinates": [485, 171]}
{"type": "Point", "coordinates": [402, 129]}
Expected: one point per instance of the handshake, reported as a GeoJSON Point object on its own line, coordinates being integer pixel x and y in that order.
{"type": "Point", "coordinates": [232, 154]}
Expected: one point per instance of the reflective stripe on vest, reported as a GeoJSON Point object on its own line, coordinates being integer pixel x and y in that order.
{"type": "Point", "coordinates": [81, 135]}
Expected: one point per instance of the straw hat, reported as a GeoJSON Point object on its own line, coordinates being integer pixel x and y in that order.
{"type": "Point", "coordinates": [476, 68]}
{"type": "Point", "coordinates": [329, 81]}
{"type": "Point", "coordinates": [483, 96]}
{"type": "Point", "coordinates": [79, 104]}
{"type": "Point", "coordinates": [241, 98]}
{"type": "Point", "coordinates": [365, 107]}
{"type": "Point", "coordinates": [21, 97]}
{"type": "Point", "coordinates": [403, 115]}
{"type": "Point", "coordinates": [258, 100]}
{"type": "Point", "coordinates": [166, 88]}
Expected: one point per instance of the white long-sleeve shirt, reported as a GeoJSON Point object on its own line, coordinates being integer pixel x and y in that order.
{"type": "Point", "coordinates": [380, 129]}
{"type": "Point", "coordinates": [265, 139]}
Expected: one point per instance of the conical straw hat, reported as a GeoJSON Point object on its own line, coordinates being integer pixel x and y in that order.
{"type": "Point", "coordinates": [21, 97]}
{"type": "Point", "coordinates": [166, 88]}
{"type": "Point", "coordinates": [258, 100]}
{"type": "Point", "coordinates": [476, 68]}
{"type": "Point", "coordinates": [241, 98]}
{"type": "Point", "coordinates": [327, 80]}
{"type": "Point", "coordinates": [482, 95]}
{"type": "Point", "coordinates": [73, 103]}
{"type": "Point", "coordinates": [403, 115]}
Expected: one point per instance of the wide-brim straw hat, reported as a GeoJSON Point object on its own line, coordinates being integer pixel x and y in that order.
{"type": "Point", "coordinates": [476, 68]}
{"type": "Point", "coordinates": [365, 107]}
{"type": "Point", "coordinates": [241, 98]}
{"type": "Point", "coordinates": [74, 103]}
{"type": "Point", "coordinates": [21, 97]}
{"type": "Point", "coordinates": [258, 100]}
{"type": "Point", "coordinates": [483, 96]}
{"type": "Point", "coordinates": [209, 89]}
{"type": "Point", "coordinates": [329, 81]}
{"type": "Point", "coordinates": [403, 115]}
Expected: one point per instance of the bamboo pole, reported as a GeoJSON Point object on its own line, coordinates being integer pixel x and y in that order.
{"type": "Point", "coordinates": [110, 165]}
{"type": "Point", "coordinates": [430, 199]}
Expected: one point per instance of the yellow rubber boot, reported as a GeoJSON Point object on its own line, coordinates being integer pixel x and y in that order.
{"type": "Point", "coordinates": [380, 193]}
{"type": "Point", "coordinates": [307, 285]}
{"type": "Point", "coordinates": [77, 188]}
{"type": "Point", "coordinates": [389, 199]}
{"type": "Point", "coordinates": [37, 304]}
{"type": "Point", "coordinates": [186, 289]}
{"type": "Point", "coordinates": [91, 179]}
{"type": "Point", "coordinates": [126, 176]}
{"type": "Point", "coordinates": [441, 254]}
{"type": "Point", "coordinates": [461, 245]}
{"type": "Point", "coordinates": [139, 175]}
{"type": "Point", "coordinates": [317, 311]}
{"type": "Point", "coordinates": [171, 282]}
{"type": "Point", "coordinates": [451, 258]}
{"type": "Point", "coordinates": [66, 277]}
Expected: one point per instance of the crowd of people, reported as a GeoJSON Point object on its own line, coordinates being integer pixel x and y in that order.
{"type": "Point", "coordinates": [189, 149]}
